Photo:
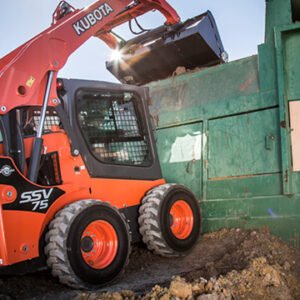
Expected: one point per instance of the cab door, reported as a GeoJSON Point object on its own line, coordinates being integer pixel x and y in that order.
{"type": "Point", "coordinates": [113, 129]}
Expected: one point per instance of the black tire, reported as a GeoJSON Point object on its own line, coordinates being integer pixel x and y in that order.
{"type": "Point", "coordinates": [155, 220]}
{"type": "Point", "coordinates": [64, 244]}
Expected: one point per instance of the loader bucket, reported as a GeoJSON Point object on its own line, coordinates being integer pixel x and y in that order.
{"type": "Point", "coordinates": [156, 54]}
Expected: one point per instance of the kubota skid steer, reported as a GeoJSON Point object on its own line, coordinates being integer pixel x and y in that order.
{"type": "Point", "coordinates": [79, 174]}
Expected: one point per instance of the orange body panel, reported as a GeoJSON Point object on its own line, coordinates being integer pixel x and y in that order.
{"type": "Point", "coordinates": [23, 78]}
{"type": "Point", "coordinates": [20, 231]}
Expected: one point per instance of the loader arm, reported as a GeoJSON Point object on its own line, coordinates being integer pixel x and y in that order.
{"type": "Point", "coordinates": [24, 73]}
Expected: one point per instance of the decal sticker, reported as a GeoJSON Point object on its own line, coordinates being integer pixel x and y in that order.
{"type": "Point", "coordinates": [6, 170]}
{"type": "Point", "coordinates": [35, 200]}
{"type": "Point", "coordinates": [92, 18]}
{"type": "Point", "coordinates": [39, 199]}
{"type": "Point", "coordinates": [30, 81]}
{"type": "Point", "coordinates": [30, 197]}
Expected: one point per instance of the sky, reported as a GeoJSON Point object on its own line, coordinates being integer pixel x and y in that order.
{"type": "Point", "coordinates": [240, 22]}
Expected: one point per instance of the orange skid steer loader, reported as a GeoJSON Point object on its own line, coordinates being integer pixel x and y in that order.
{"type": "Point", "coordinates": [80, 179]}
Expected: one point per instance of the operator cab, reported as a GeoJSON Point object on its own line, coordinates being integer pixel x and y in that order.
{"type": "Point", "coordinates": [107, 124]}
{"type": "Point", "coordinates": [114, 134]}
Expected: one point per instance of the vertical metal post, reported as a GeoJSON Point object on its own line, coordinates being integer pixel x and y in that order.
{"type": "Point", "coordinates": [45, 104]}
{"type": "Point", "coordinates": [286, 159]}
{"type": "Point", "coordinates": [38, 141]}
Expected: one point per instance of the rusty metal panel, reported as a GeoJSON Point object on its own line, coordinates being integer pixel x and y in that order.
{"type": "Point", "coordinates": [247, 107]}
{"type": "Point", "coordinates": [292, 64]}
{"type": "Point", "coordinates": [244, 187]}
{"type": "Point", "coordinates": [279, 12]}
{"type": "Point", "coordinates": [244, 145]}
{"type": "Point", "coordinates": [279, 213]}
{"type": "Point", "coordinates": [291, 61]}
{"type": "Point", "coordinates": [295, 133]}
{"type": "Point", "coordinates": [181, 159]}
{"type": "Point", "coordinates": [213, 92]}
{"type": "Point", "coordinates": [288, 75]}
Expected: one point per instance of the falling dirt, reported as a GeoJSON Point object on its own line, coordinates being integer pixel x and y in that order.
{"type": "Point", "coordinates": [228, 264]}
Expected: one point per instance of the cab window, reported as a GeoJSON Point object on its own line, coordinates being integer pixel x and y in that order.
{"type": "Point", "coordinates": [112, 127]}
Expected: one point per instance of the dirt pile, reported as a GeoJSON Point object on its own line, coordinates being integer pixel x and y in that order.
{"type": "Point", "coordinates": [228, 264]}
{"type": "Point", "coordinates": [259, 281]}
{"type": "Point", "coordinates": [260, 267]}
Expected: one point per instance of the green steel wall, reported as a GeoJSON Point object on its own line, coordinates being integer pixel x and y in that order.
{"type": "Point", "coordinates": [224, 132]}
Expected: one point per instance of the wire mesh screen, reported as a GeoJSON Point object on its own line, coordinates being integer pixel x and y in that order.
{"type": "Point", "coordinates": [31, 118]}
{"type": "Point", "coordinates": [112, 129]}
{"type": "Point", "coordinates": [51, 119]}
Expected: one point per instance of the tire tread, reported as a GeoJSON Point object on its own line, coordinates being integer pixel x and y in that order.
{"type": "Point", "coordinates": [56, 248]}
{"type": "Point", "coordinates": [149, 223]}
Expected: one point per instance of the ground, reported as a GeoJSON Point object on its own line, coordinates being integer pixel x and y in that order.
{"type": "Point", "coordinates": [228, 264]}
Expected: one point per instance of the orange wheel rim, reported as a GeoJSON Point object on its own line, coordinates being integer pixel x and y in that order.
{"type": "Point", "coordinates": [182, 219]}
{"type": "Point", "coordinates": [99, 244]}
